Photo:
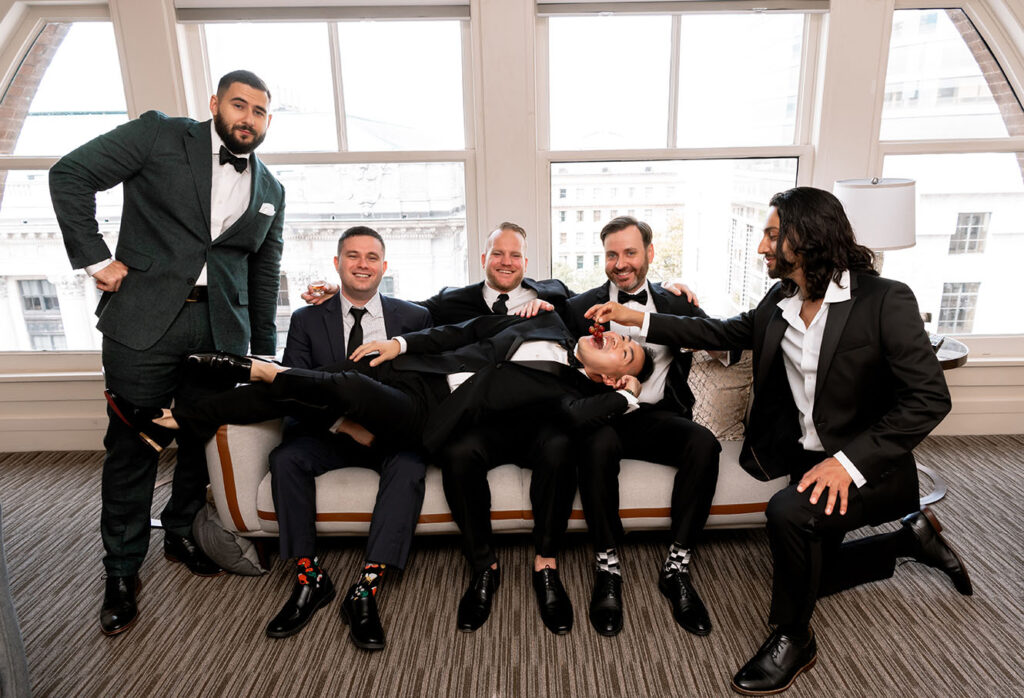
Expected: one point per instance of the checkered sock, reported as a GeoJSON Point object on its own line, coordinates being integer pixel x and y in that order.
{"type": "Point", "coordinates": [678, 559]}
{"type": "Point", "coordinates": [309, 570]}
{"type": "Point", "coordinates": [370, 579]}
{"type": "Point", "coordinates": [607, 561]}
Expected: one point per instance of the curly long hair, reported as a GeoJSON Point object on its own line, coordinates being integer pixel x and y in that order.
{"type": "Point", "coordinates": [814, 224]}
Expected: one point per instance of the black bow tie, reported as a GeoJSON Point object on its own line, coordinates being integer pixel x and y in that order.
{"type": "Point", "coordinates": [573, 361]}
{"type": "Point", "coordinates": [640, 298]}
{"type": "Point", "coordinates": [238, 163]}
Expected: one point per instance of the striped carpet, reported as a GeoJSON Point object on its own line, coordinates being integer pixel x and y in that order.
{"type": "Point", "coordinates": [912, 635]}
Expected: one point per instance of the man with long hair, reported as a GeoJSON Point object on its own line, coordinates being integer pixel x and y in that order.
{"type": "Point", "coordinates": [846, 384]}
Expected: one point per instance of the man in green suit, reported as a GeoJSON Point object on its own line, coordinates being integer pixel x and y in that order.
{"type": "Point", "coordinates": [196, 268]}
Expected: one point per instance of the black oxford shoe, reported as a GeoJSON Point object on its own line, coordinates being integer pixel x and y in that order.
{"type": "Point", "coordinates": [776, 665]}
{"type": "Point", "coordinates": [300, 607]}
{"type": "Point", "coordinates": [181, 549]}
{"type": "Point", "coordinates": [140, 420]}
{"type": "Point", "coordinates": [606, 604]}
{"type": "Point", "coordinates": [221, 365]}
{"type": "Point", "coordinates": [555, 606]}
{"type": "Point", "coordinates": [934, 551]}
{"type": "Point", "coordinates": [119, 609]}
{"type": "Point", "coordinates": [475, 605]}
{"type": "Point", "coordinates": [359, 610]}
{"type": "Point", "coordinates": [687, 608]}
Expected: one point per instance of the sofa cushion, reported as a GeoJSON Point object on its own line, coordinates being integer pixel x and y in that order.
{"type": "Point", "coordinates": [722, 394]}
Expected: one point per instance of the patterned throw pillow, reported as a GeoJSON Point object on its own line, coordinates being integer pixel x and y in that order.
{"type": "Point", "coordinates": [228, 549]}
{"type": "Point", "coordinates": [722, 394]}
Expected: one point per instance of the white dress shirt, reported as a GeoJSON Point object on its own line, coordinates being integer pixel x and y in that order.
{"type": "Point", "coordinates": [517, 297]}
{"type": "Point", "coordinates": [801, 347]}
{"type": "Point", "coordinates": [654, 387]}
{"type": "Point", "coordinates": [372, 322]}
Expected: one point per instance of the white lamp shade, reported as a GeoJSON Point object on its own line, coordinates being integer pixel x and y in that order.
{"type": "Point", "coordinates": [881, 211]}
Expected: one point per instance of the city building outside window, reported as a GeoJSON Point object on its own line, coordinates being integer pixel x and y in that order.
{"type": "Point", "coordinates": [971, 229]}
{"type": "Point", "coordinates": [959, 301]}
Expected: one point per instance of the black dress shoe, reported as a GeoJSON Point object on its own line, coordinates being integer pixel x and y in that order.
{"type": "Point", "coordinates": [300, 607]}
{"type": "Point", "coordinates": [359, 610]}
{"type": "Point", "coordinates": [222, 365]}
{"type": "Point", "coordinates": [776, 665]}
{"type": "Point", "coordinates": [935, 552]}
{"type": "Point", "coordinates": [140, 419]}
{"type": "Point", "coordinates": [181, 549]}
{"type": "Point", "coordinates": [119, 610]}
{"type": "Point", "coordinates": [687, 608]}
{"type": "Point", "coordinates": [606, 604]}
{"type": "Point", "coordinates": [555, 606]}
{"type": "Point", "coordinates": [475, 605]}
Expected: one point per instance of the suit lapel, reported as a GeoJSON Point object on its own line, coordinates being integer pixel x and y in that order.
{"type": "Point", "coordinates": [335, 328]}
{"type": "Point", "coordinates": [257, 190]}
{"type": "Point", "coordinates": [199, 149]}
{"type": "Point", "coordinates": [835, 323]}
{"type": "Point", "coordinates": [772, 340]}
{"type": "Point", "coordinates": [391, 319]}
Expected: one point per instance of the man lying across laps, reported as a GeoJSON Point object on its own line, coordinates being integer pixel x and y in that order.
{"type": "Point", "coordinates": [845, 385]}
{"type": "Point", "coordinates": [505, 376]}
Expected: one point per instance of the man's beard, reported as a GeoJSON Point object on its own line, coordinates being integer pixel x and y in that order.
{"type": "Point", "coordinates": [781, 269]}
{"type": "Point", "coordinates": [234, 145]}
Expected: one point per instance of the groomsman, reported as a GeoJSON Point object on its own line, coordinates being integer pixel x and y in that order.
{"type": "Point", "coordinates": [196, 268]}
{"type": "Point", "coordinates": [660, 431]}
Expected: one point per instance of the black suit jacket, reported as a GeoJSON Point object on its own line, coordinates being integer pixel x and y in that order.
{"type": "Point", "coordinates": [879, 390]}
{"type": "Point", "coordinates": [316, 335]}
{"type": "Point", "coordinates": [486, 345]}
{"type": "Point", "coordinates": [453, 305]}
{"type": "Point", "coordinates": [165, 165]}
{"type": "Point", "coordinates": [678, 397]}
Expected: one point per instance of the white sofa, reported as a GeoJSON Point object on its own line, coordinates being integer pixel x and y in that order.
{"type": "Point", "coordinates": [240, 477]}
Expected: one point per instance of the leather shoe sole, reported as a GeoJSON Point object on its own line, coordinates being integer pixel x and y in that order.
{"type": "Point", "coordinates": [799, 671]}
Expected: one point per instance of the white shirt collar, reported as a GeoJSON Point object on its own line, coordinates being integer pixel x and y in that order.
{"type": "Point", "coordinates": [835, 293]}
{"type": "Point", "coordinates": [373, 306]}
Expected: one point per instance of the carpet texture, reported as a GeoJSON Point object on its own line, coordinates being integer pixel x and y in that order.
{"type": "Point", "coordinates": [912, 635]}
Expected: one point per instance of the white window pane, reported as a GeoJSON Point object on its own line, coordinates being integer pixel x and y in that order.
{"type": "Point", "coordinates": [609, 81]}
{"type": "Point", "coordinates": [707, 217]}
{"type": "Point", "coordinates": [403, 85]}
{"type": "Point", "coordinates": [80, 96]}
{"type": "Point", "coordinates": [949, 186]}
{"type": "Point", "coordinates": [294, 60]}
{"type": "Point", "coordinates": [941, 79]}
{"type": "Point", "coordinates": [418, 208]}
{"type": "Point", "coordinates": [46, 304]}
{"type": "Point", "coordinates": [738, 79]}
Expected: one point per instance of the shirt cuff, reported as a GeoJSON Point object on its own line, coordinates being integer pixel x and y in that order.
{"type": "Point", "coordinates": [266, 357]}
{"type": "Point", "coordinates": [91, 269]}
{"type": "Point", "coordinates": [402, 346]}
{"type": "Point", "coordinates": [851, 469]}
{"type": "Point", "coordinates": [337, 425]}
{"type": "Point", "coordinates": [645, 327]}
{"type": "Point", "coordinates": [634, 402]}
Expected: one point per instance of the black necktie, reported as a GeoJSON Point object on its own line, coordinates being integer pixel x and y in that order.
{"type": "Point", "coordinates": [640, 298]}
{"type": "Point", "coordinates": [238, 163]}
{"type": "Point", "coordinates": [355, 336]}
{"type": "Point", "coordinates": [500, 307]}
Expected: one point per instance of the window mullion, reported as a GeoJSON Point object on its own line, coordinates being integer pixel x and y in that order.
{"type": "Point", "coordinates": [340, 121]}
{"type": "Point", "coordinates": [673, 82]}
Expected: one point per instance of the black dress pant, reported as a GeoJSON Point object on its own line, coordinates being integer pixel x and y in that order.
{"type": "Point", "coordinates": [809, 556]}
{"type": "Point", "coordinates": [294, 466]}
{"type": "Point", "coordinates": [152, 378]}
{"type": "Point", "coordinates": [528, 442]}
{"type": "Point", "coordinates": [658, 436]}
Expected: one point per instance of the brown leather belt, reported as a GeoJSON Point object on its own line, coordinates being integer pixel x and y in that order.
{"type": "Point", "coordinates": [197, 294]}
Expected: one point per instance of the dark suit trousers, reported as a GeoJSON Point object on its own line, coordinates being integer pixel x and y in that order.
{"type": "Point", "coordinates": [528, 442]}
{"type": "Point", "coordinates": [298, 461]}
{"type": "Point", "coordinates": [658, 436]}
{"type": "Point", "coordinates": [809, 555]}
{"type": "Point", "coordinates": [151, 378]}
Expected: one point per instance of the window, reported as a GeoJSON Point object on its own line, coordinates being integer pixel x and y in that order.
{"type": "Point", "coordinates": [579, 216]}
{"type": "Point", "coordinates": [579, 261]}
{"type": "Point", "coordinates": [561, 193]}
{"type": "Point", "coordinates": [41, 311]}
{"type": "Point", "coordinates": [970, 233]}
{"type": "Point", "coordinates": [959, 300]}
{"type": "Point", "coordinates": [561, 216]}
{"type": "Point", "coordinates": [597, 215]}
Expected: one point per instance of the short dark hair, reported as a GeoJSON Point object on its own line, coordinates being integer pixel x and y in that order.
{"type": "Point", "coordinates": [360, 230]}
{"type": "Point", "coordinates": [509, 225]}
{"type": "Point", "coordinates": [648, 368]}
{"type": "Point", "coordinates": [246, 77]}
{"type": "Point", "coordinates": [815, 225]}
{"type": "Point", "coordinates": [622, 222]}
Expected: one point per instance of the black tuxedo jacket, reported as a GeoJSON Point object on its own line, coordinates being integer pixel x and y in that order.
{"type": "Point", "coordinates": [316, 335]}
{"type": "Point", "coordinates": [486, 345]}
{"type": "Point", "coordinates": [453, 305]}
{"type": "Point", "coordinates": [165, 165]}
{"type": "Point", "coordinates": [678, 397]}
{"type": "Point", "coordinates": [879, 390]}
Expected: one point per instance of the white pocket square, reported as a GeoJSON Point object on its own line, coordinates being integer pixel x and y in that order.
{"type": "Point", "coordinates": [267, 209]}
